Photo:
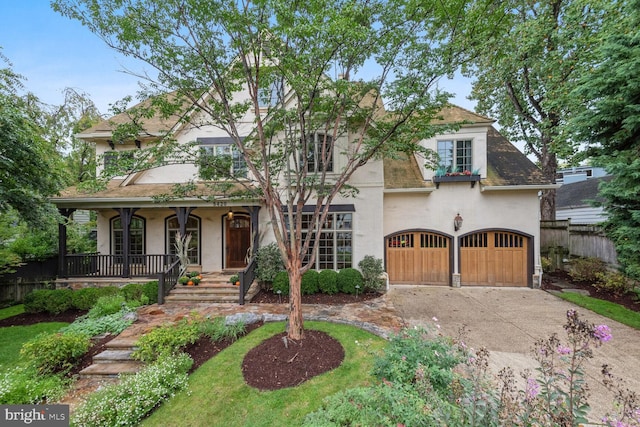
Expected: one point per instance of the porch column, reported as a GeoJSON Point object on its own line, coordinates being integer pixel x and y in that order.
{"type": "Point", "coordinates": [183, 215]}
{"type": "Point", "coordinates": [125, 218]}
{"type": "Point", "coordinates": [62, 241]}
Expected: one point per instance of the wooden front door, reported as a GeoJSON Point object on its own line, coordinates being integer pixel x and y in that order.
{"type": "Point", "coordinates": [494, 258]}
{"type": "Point", "coordinates": [420, 258]}
{"type": "Point", "coordinates": [238, 241]}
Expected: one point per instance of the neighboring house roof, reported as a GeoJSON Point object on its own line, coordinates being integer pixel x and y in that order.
{"type": "Point", "coordinates": [454, 114]}
{"type": "Point", "coordinates": [579, 194]}
{"type": "Point", "coordinates": [506, 165]}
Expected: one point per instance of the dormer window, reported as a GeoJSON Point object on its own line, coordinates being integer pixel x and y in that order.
{"type": "Point", "coordinates": [455, 156]}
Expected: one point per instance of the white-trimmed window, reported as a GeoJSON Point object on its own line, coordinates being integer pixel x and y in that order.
{"type": "Point", "coordinates": [455, 156]}
{"type": "Point", "coordinates": [192, 228]}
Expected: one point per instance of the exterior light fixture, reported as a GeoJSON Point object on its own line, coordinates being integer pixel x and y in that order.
{"type": "Point", "coordinates": [457, 222]}
{"type": "Point", "coordinates": [230, 214]}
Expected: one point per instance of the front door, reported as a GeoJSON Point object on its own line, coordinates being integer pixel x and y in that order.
{"type": "Point", "coordinates": [238, 242]}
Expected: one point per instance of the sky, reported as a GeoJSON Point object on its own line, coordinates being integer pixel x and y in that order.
{"type": "Point", "coordinates": [53, 52]}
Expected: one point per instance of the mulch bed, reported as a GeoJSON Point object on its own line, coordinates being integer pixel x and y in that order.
{"type": "Point", "coordinates": [25, 319]}
{"type": "Point", "coordinates": [279, 362]}
{"type": "Point", "coordinates": [550, 281]}
{"type": "Point", "coordinates": [269, 297]}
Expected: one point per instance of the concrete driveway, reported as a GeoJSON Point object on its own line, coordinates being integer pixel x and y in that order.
{"type": "Point", "coordinates": [507, 321]}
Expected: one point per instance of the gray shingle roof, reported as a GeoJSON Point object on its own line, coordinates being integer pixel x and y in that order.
{"type": "Point", "coordinates": [579, 193]}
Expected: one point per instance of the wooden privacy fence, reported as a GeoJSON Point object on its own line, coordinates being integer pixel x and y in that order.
{"type": "Point", "coordinates": [29, 277]}
{"type": "Point", "coordinates": [583, 240]}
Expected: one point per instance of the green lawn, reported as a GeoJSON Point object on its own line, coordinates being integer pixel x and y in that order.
{"type": "Point", "coordinates": [218, 395]}
{"type": "Point", "coordinates": [11, 311]}
{"type": "Point", "coordinates": [12, 337]}
{"type": "Point", "coordinates": [605, 308]}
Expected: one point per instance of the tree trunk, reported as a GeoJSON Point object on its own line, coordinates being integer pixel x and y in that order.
{"type": "Point", "coordinates": [549, 163]}
{"type": "Point", "coordinates": [296, 325]}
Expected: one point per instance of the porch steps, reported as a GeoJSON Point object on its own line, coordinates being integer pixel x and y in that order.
{"type": "Point", "coordinates": [115, 360]}
{"type": "Point", "coordinates": [213, 288]}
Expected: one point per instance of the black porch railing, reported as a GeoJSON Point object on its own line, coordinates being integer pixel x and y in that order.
{"type": "Point", "coordinates": [246, 277]}
{"type": "Point", "coordinates": [96, 265]}
{"type": "Point", "coordinates": [167, 280]}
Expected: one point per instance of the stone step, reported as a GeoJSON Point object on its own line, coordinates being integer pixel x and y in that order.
{"type": "Point", "coordinates": [110, 369]}
{"type": "Point", "coordinates": [113, 356]}
{"type": "Point", "coordinates": [201, 298]}
{"type": "Point", "coordinates": [193, 290]}
{"type": "Point", "coordinates": [122, 343]}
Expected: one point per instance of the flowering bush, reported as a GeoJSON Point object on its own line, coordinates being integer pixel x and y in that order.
{"type": "Point", "coordinates": [427, 379]}
{"type": "Point", "coordinates": [135, 396]}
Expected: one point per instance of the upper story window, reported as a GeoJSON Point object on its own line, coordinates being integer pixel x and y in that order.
{"type": "Point", "coordinates": [115, 158]}
{"type": "Point", "coordinates": [455, 156]}
{"type": "Point", "coordinates": [225, 155]}
{"type": "Point", "coordinates": [319, 153]}
{"type": "Point", "coordinates": [270, 96]}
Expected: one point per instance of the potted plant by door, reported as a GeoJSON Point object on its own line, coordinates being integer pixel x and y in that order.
{"type": "Point", "coordinates": [235, 280]}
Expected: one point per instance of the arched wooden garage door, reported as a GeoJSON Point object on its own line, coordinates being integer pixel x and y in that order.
{"type": "Point", "coordinates": [419, 257]}
{"type": "Point", "coordinates": [494, 258]}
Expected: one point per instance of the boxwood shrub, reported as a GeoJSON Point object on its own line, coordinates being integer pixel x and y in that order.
{"type": "Point", "coordinates": [281, 283]}
{"type": "Point", "coordinates": [328, 282]}
{"type": "Point", "coordinates": [309, 283]}
{"type": "Point", "coordinates": [348, 279]}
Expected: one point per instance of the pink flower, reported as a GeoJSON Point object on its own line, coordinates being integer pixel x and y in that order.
{"type": "Point", "coordinates": [563, 350]}
{"type": "Point", "coordinates": [532, 389]}
{"type": "Point", "coordinates": [603, 333]}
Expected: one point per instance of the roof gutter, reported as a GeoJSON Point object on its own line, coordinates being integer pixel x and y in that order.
{"type": "Point", "coordinates": [519, 187]}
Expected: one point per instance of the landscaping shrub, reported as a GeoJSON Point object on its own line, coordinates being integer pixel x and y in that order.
{"type": "Point", "coordinates": [328, 282]}
{"type": "Point", "coordinates": [281, 283]}
{"type": "Point", "coordinates": [112, 323]}
{"type": "Point", "coordinates": [613, 282]}
{"type": "Point", "coordinates": [168, 339]}
{"type": "Point", "coordinates": [372, 271]}
{"type": "Point", "coordinates": [55, 353]}
{"type": "Point", "coordinates": [218, 330]}
{"type": "Point", "coordinates": [84, 299]}
{"type": "Point", "coordinates": [150, 289]}
{"type": "Point", "coordinates": [135, 396]}
{"type": "Point", "coordinates": [35, 302]}
{"type": "Point", "coordinates": [107, 305]}
{"type": "Point", "coordinates": [587, 269]}
{"type": "Point", "coordinates": [132, 291]}
{"type": "Point", "coordinates": [23, 385]}
{"type": "Point", "coordinates": [349, 279]}
{"type": "Point", "coordinates": [53, 301]}
{"type": "Point", "coordinates": [309, 283]}
{"type": "Point", "coordinates": [268, 263]}
{"type": "Point", "coordinates": [414, 348]}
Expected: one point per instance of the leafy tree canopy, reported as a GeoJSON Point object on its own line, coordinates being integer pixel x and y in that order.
{"type": "Point", "coordinates": [30, 167]}
{"type": "Point", "coordinates": [610, 123]}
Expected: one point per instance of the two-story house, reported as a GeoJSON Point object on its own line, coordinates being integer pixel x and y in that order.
{"type": "Point", "coordinates": [474, 221]}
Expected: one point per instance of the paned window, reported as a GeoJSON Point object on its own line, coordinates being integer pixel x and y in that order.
{"type": "Point", "coordinates": [319, 152]}
{"type": "Point", "coordinates": [335, 248]}
{"type": "Point", "coordinates": [193, 228]}
{"type": "Point", "coordinates": [136, 236]}
{"type": "Point", "coordinates": [455, 156]}
{"type": "Point", "coordinates": [227, 152]}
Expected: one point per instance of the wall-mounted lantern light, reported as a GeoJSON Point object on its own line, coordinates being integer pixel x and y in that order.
{"type": "Point", "coordinates": [457, 222]}
{"type": "Point", "coordinates": [230, 214]}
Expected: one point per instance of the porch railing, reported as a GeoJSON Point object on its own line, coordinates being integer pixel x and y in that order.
{"type": "Point", "coordinates": [246, 277]}
{"type": "Point", "coordinates": [167, 280]}
{"type": "Point", "coordinates": [97, 265]}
